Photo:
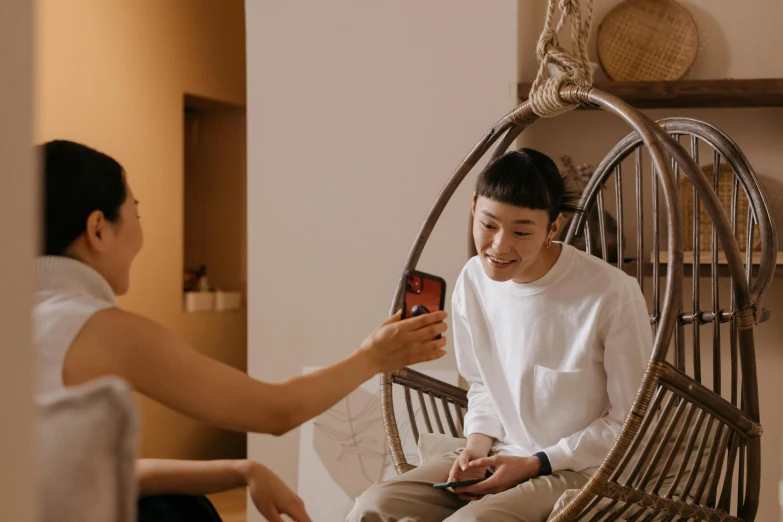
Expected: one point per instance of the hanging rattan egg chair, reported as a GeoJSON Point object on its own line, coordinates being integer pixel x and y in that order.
{"type": "Point", "coordinates": [690, 448]}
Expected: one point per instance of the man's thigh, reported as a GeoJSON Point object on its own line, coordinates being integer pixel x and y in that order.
{"type": "Point", "coordinates": [410, 495]}
{"type": "Point", "coordinates": [433, 472]}
{"type": "Point", "coordinates": [531, 501]}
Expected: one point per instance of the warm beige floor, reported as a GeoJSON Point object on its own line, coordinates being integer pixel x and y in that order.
{"type": "Point", "coordinates": [231, 505]}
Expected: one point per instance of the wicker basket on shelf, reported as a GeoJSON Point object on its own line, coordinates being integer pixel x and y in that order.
{"type": "Point", "coordinates": [647, 40]}
{"type": "Point", "coordinates": [725, 187]}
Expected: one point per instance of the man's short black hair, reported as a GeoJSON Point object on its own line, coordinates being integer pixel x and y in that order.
{"type": "Point", "coordinates": [530, 179]}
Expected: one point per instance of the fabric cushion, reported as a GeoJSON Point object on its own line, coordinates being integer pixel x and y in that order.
{"type": "Point", "coordinates": [86, 453]}
{"type": "Point", "coordinates": [434, 445]}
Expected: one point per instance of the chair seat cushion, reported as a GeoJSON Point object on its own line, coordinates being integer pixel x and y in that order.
{"type": "Point", "coordinates": [435, 445]}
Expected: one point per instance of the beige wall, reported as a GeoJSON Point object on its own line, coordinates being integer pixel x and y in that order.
{"type": "Point", "coordinates": [358, 112]}
{"type": "Point", "coordinates": [17, 232]}
{"type": "Point", "coordinates": [739, 40]}
{"type": "Point", "coordinates": [113, 75]}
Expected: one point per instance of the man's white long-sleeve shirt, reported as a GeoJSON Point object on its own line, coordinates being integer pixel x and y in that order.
{"type": "Point", "coordinates": [553, 365]}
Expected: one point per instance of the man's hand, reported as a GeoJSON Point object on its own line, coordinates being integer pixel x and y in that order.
{"type": "Point", "coordinates": [462, 470]}
{"type": "Point", "coordinates": [509, 471]}
{"type": "Point", "coordinates": [478, 447]}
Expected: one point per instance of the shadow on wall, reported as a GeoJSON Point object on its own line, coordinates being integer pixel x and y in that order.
{"type": "Point", "coordinates": [714, 58]}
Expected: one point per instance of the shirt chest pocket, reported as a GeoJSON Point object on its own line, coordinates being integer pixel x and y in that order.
{"type": "Point", "coordinates": [560, 396]}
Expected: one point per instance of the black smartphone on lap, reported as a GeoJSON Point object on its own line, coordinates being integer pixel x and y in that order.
{"type": "Point", "coordinates": [458, 484]}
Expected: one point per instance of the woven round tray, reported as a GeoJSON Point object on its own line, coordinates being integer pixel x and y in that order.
{"type": "Point", "coordinates": [725, 188]}
{"type": "Point", "coordinates": [647, 40]}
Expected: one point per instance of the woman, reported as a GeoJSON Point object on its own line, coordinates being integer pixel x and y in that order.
{"type": "Point", "coordinates": [91, 235]}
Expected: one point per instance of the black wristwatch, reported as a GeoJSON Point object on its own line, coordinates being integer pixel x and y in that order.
{"type": "Point", "coordinates": [546, 467]}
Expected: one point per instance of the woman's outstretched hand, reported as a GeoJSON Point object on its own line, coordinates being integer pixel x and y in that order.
{"type": "Point", "coordinates": [398, 343]}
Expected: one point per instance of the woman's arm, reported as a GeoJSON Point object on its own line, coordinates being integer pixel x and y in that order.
{"type": "Point", "coordinates": [184, 477]}
{"type": "Point", "coordinates": [165, 368]}
{"type": "Point", "coordinates": [190, 477]}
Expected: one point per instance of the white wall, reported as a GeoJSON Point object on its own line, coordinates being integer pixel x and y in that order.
{"type": "Point", "coordinates": [358, 112]}
{"type": "Point", "coordinates": [17, 221]}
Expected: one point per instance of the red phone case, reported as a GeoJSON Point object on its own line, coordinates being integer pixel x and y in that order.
{"type": "Point", "coordinates": [422, 290]}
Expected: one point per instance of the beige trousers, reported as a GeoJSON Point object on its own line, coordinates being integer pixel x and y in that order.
{"type": "Point", "coordinates": [410, 497]}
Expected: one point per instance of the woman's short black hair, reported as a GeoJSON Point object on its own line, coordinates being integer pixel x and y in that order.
{"type": "Point", "coordinates": [77, 181]}
{"type": "Point", "coordinates": [530, 179]}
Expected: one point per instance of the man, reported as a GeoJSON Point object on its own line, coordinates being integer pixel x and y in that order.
{"type": "Point", "coordinates": [553, 342]}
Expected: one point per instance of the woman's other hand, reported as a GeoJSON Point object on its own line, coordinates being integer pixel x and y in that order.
{"type": "Point", "coordinates": [271, 496]}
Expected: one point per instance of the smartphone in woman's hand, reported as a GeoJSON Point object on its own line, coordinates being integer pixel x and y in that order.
{"type": "Point", "coordinates": [424, 293]}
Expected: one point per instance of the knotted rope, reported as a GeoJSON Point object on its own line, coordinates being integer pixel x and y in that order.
{"type": "Point", "coordinates": [575, 64]}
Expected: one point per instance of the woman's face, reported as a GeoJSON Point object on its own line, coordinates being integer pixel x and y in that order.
{"type": "Point", "coordinates": [123, 242]}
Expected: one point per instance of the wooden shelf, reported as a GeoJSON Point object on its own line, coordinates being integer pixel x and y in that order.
{"type": "Point", "coordinates": [691, 93]}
